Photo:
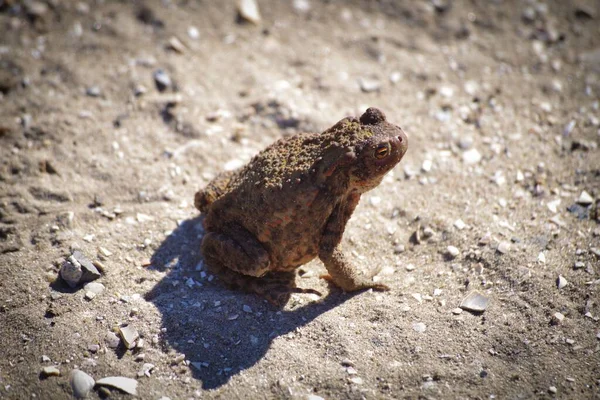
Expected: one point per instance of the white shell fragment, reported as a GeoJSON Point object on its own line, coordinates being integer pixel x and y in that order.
{"type": "Point", "coordinates": [122, 383]}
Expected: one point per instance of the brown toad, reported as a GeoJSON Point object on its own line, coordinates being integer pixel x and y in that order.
{"type": "Point", "coordinates": [291, 204]}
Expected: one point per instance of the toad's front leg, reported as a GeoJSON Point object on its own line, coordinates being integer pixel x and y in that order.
{"type": "Point", "coordinates": [341, 272]}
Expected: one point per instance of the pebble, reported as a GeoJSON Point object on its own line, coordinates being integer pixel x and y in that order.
{"type": "Point", "coordinates": [147, 368]}
{"type": "Point", "coordinates": [399, 249]}
{"type": "Point", "coordinates": [301, 5]}
{"type": "Point", "coordinates": [561, 282]}
{"type": "Point", "coordinates": [485, 239]}
{"type": "Point", "coordinates": [78, 269]}
{"type": "Point", "coordinates": [162, 80]}
{"type": "Point", "coordinates": [45, 358]}
{"type": "Point", "coordinates": [419, 327]}
{"type": "Point", "coordinates": [122, 383]}
{"type": "Point", "coordinates": [410, 267]}
{"type": "Point", "coordinates": [475, 301]}
{"type": "Point", "coordinates": [471, 156]}
{"type": "Point", "coordinates": [248, 10]}
{"type": "Point", "coordinates": [459, 224]}
{"type": "Point", "coordinates": [94, 287]}
{"type": "Point", "coordinates": [346, 362]}
{"type": "Point", "coordinates": [557, 318]}
{"type": "Point", "coordinates": [50, 371]}
{"type": "Point", "coordinates": [93, 348]}
{"type": "Point", "coordinates": [457, 311]}
{"type": "Point", "coordinates": [553, 205]}
{"type": "Point", "coordinates": [579, 264]}
{"type": "Point", "coordinates": [247, 308]}
{"type": "Point", "coordinates": [503, 247]}
{"type": "Point", "coordinates": [193, 32]}
{"type": "Point", "coordinates": [177, 45]}
{"type": "Point", "coordinates": [368, 85]}
{"type": "Point", "coordinates": [452, 251]}
{"type": "Point", "coordinates": [428, 232]}
{"type": "Point", "coordinates": [356, 379]}
{"type": "Point", "coordinates": [314, 397]}
{"type": "Point", "coordinates": [541, 258]}
{"type": "Point", "coordinates": [585, 199]}
{"type": "Point", "coordinates": [112, 340]}
{"type": "Point", "coordinates": [395, 77]}
{"type": "Point", "coordinates": [552, 389]}
{"type": "Point", "coordinates": [426, 166]}
{"type": "Point", "coordinates": [129, 335]}
{"type": "Point", "coordinates": [81, 383]}
{"type": "Point", "coordinates": [93, 91]}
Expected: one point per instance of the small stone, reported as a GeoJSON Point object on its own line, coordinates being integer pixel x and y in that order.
{"type": "Point", "coordinates": [395, 77]}
{"type": "Point", "coordinates": [94, 287]}
{"type": "Point", "coordinates": [485, 239]}
{"type": "Point", "coordinates": [356, 380]}
{"type": "Point", "coordinates": [459, 224]}
{"type": "Point", "coordinates": [471, 87]}
{"type": "Point", "coordinates": [446, 91]}
{"type": "Point", "coordinates": [553, 205]}
{"type": "Point", "coordinates": [247, 308]}
{"type": "Point", "coordinates": [579, 264]}
{"type": "Point", "coordinates": [561, 282]}
{"type": "Point", "coordinates": [248, 10]}
{"type": "Point", "coordinates": [93, 348]}
{"type": "Point", "coordinates": [557, 318]}
{"type": "Point", "coordinates": [541, 258]}
{"type": "Point", "coordinates": [585, 199]}
{"type": "Point", "coordinates": [129, 335]}
{"type": "Point", "coordinates": [81, 383]}
{"type": "Point", "coordinates": [598, 336]}
{"type": "Point", "coordinates": [50, 371]}
{"type": "Point", "coordinates": [428, 232]}
{"type": "Point", "coordinates": [301, 5]}
{"type": "Point", "coordinates": [112, 340]}
{"type": "Point", "coordinates": [399, 249]}
{"type": "Point", "coordinates": [93, 91]}
{"type": "Point", "coordinates": [368, 85]}
{"type": "Point", "coordinates": [475, 301]}
{"type": "Point", "coordinates": [45, 358]}
{"type": "Point", "coordinates": [452, 251]}
{"type": "Point", "coordinates": [162, 80]}
{"type": "Point", "coordinates": [410, 267]}
{"type": "Point", "coordinates": [426, 166]}
{"type": "Point", "coordinates": [419, 327]}
{"type": "Point", "coordinates": [471, 156]}
{"type": "Point", "coordinates": [193, 32]}
{"type": "Point", "coordinates": [347, 363]}
{"type": "Point", "coordinates": [457, 311]}
{"type": "Point", "coordinates": [78, 269]}
{"type": "Point", "coordinates": [122, 383]}
{"type": "Point", "coordinates": [552, 389]}
{"type": "Point", "coordinates": [503, 247]}
{"type": "Point", "coordinates": [177, 45]}
{"type": "Point", "coordinates": [147, 368]}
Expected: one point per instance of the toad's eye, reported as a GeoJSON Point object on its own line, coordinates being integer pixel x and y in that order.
{"type": "Point", "coordinates": [382, 151]}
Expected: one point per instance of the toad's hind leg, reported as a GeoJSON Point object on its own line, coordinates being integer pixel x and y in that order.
{"type": "Point", "coordinates": [243, 264]}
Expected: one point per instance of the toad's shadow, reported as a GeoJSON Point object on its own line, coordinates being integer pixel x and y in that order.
{"type": "Point", "coordinates": [211, 325]}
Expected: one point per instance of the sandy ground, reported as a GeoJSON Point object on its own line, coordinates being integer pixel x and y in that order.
{"type": "Point", "coordinates": [501, 103]}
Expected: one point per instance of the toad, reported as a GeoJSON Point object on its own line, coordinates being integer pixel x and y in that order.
{"type": "Point", "coordinates": [290, 204]}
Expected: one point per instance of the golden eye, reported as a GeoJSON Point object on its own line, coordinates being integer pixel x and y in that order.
{"type": "Point", "coordinates": [382, 151]}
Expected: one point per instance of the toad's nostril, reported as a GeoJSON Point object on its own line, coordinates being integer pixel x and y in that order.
{"type": "Point", "coordinates": [400, 139]}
